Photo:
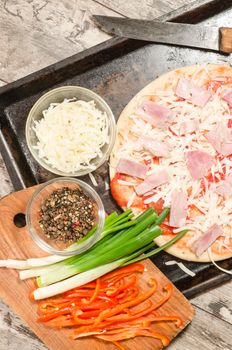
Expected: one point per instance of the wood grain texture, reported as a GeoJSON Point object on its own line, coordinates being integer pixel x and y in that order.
{"type": "Point", "coordinates": [16, 243]}
{"type": "Point", "coordinates": [204, 333]}
{"type": "Point", "coordinates": [217, 302]}
{"type": "Point", "coordinates": [14, 333]}
{"type": "Point", "coordinates": [226, 40]}
{"type": "Point", "coordinates": [5, 183]}
{"type": "Point", "coordinates": [33, 23]}
{"type": "Point", "coordinates": [149, 9]}
{"type": "Point", "coordinates": [48, 31]}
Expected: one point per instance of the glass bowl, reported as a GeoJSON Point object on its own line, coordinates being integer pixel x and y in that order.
{"type": "Point", "coordinates": [58, 95]}
{"type": "Point", "coordinates": [33, 217]}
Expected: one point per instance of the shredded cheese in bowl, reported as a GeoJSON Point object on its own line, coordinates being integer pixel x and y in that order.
{"type": "Point", "coordinates": [72, 137]}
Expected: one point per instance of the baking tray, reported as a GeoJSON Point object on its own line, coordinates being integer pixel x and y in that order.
{"type": "Point", "coordinates": [116, 69]}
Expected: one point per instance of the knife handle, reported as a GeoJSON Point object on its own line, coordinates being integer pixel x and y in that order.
{"type": "Point", "coordinates": [225, 40]}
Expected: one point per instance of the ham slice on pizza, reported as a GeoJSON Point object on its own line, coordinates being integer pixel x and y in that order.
{"type": "Point", "coordinates": [174, 149]}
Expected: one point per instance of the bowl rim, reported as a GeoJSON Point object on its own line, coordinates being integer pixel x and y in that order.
{"type": "Point", "coordinates": [44, 245]}
{"type": "Point", "coordinates": [112, 125]}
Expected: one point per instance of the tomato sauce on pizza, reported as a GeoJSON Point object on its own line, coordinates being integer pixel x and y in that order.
{"type": "Point", "coordinates": [174, 150]}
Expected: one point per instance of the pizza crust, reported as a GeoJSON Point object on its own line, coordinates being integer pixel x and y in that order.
{"type": "Point", "coordinates": [186, 254]}
{"type": "Point", "coordinates": [123, 127]}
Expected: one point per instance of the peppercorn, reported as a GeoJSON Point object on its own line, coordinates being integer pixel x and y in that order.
{"type": "Point", "coordinates": [67, 215]}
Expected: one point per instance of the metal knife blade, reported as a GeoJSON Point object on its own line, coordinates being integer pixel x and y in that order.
{"type": "Point", "coordinates": [189, 35]}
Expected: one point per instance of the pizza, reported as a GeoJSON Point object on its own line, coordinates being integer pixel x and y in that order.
{"type": "Point", "coordinates": [174, 149]}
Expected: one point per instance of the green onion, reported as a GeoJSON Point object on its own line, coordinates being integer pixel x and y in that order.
{"type": "Point", "coordinates": [110, 224]}
{"type": "Point", "coordinates": [127, 246]}
{"type": "Point", "coordinates": [162, 216]}
{"type": "Point", "coordinates": [117, 247]}
{"type": "Point", "coordinates": [75, 281]}
{"type": "Point", "coordinates": [111, 220]}
{"type": "Point", "coordinates": [159, 249]}
{"type": "Point", "coordinates": [122, 242]}
{"type": "Point", "coordinates": [90, 275]}
{"type": "Point", "coordinates": [82, 278]}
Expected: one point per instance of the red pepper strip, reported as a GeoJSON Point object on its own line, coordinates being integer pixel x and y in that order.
{"type": "Point", "coordinates": [60, 322]}
{"type": "Point", "coordinates": [90, 285]}
{"type": "Point", "coordinates": [123, 294]}
{"type": "Point", "coordinates": [137, 316]}
{"type": "Point", "coordinates": [178, 321]}
{"type": "Point", "coordinates": [142, 308]}
{"type": "Point", "coordinates": [80, 321]}
{"type": "Point", "coordinates": [120, 346]}
{"type": "Point", "coordinates": [97, 305]}
{"type": "Point", "coordinates": [127, 311]}
{"type": "Point", "coordinates": [89, 314]}
{"type": "Point", "coordinates": [104, 298]}
{"type": "Point", "coordinates": [127, 328]}
{"type": "Point", "coordinates": [136, 267]}
{"type": "Point", "coordinates": [107, 325]}
{"type": "Point", "coordinates": [50, 316]}
{"type": "Point", "coordinates": [57, 301]}
{"type": "Point", "coordinates": [126, 318]}
{"type": "Point", "coordinates": [108, 313]}
{"type": "Point", "coordinates": [133, 293]}
{"type": "Point", "coordinates": [84, 293]}
{"type": "Point", "coordinates": [133, 333]}
{"type": "Point", "coordinates": [104, 285]}
{"type": "Point", "coordinates": [118, 280]}
{"type": "Point", "coordinates": [125, 286]}
{"type": "Point", "coordinates": [45, 308]}
{"type": "Point", "coordinates": [132, 324]}
{"type": "Point", "coordinates": [96, 291]}
{"type": "Point", "coordinates": [67, 311]}
{"type": "Point", "coordinates": [93, 313]}
{"type": "Point", "coordinates": [169, 289]}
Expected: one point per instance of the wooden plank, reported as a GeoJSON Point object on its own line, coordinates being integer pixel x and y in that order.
{"type": "Point", "coordinates": [204, 329]}
{"type": "Point", "coordinates": [205, 332]}
{"type": "Point", "coordinates": [15, 334]}
{"type": "Point", "coordinates": [16, 243]}
{"type": "Point", "coordinates": [217, 302]}
{"type": "Point", "coordinates": [6, 185]}
{"type": "Point", "coordinates": [148, 10]}
{"type": "Point", "coordinates": [47, 31]}
{"type": "Point", "coordinates": [38, 43]}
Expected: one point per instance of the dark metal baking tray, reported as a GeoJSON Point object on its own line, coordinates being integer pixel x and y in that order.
{"type": "Point", "coordinates": [116, 69]}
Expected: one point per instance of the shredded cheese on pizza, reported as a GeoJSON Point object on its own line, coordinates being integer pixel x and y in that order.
{"type": "Point", "coordinates": [212, 206]}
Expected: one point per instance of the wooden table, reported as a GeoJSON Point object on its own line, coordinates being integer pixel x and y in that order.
{"type": "Point", "coordinates": [36, 33]}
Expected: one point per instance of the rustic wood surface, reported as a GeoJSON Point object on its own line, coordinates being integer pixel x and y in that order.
{"type": "Point", "coordinates": [16, 241]}
{"type": "Point", "coordinates": [36, 33]}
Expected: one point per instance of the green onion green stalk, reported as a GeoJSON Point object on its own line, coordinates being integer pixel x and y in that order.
{"type": "Point", "coordinates": [123, 241]}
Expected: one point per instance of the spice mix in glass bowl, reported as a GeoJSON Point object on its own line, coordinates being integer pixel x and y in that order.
{"type": "Point", "coordinates": [65, 216]}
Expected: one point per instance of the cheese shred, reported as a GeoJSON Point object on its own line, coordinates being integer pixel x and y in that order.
{"type": "Point", "coordinates": [181, 266]}
{"type": "Point", "coordinates": [229, 272]}
{"type": "Point", "coordinates": [71, 135]}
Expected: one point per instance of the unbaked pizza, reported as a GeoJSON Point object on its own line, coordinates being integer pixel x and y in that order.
{"type": "Point", "coordinates": [174, 149]}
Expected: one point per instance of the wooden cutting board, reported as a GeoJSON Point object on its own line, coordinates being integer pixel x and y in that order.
{"type": "Point", "coordinates": [15, 243]}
